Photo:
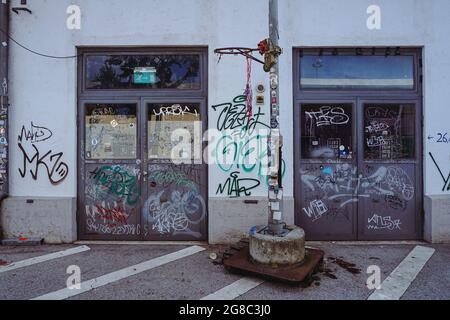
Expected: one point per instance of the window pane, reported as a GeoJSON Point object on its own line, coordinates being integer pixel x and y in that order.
{"type": "Point", "coordinates": [174, 126]}
{"type": "Point", "coordinates": [389, 131]}
{"type": "Point", "coordinates": [111, 131]}
{"type": "Point", "coordinates": [327, 131]}
{"type": "Point", "coordinates": [126, 72]}
{"type": "Point", "coordinates": [395, 72]}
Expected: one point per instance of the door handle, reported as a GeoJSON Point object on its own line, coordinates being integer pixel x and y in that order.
{"type": "Point", "coordinates": [144, 175]}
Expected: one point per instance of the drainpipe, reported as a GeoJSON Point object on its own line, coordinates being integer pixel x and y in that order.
{"type": "Point", "coordinates": [4, 102]}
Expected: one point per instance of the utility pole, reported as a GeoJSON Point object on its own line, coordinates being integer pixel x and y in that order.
{"type": "Point", "coordinates": [275, 141]}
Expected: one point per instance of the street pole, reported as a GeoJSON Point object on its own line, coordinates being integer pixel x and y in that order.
{"type": "Point", "coordinates": [275, 142]}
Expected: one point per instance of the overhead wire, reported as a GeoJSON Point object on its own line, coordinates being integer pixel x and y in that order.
{"type": "Point", "coordinates": [35, 52]}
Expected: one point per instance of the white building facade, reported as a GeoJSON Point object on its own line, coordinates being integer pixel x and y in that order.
{"type": "Point", "coordinates": [364, 89]}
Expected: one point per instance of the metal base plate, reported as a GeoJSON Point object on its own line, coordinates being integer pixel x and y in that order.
{"type": "Point", "coordinates": [297, 274]}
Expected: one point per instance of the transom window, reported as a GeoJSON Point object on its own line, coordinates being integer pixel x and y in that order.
{"type": "Point", "coordinates": [143, 71]}
{"type": "Point", "coordinates": [367, 69]}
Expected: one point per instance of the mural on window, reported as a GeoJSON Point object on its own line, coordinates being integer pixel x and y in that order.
{"type": "Point", "coordinates": [111, 131]}
{"type": "Point", "coordinates": [143, 71]}
{"type": "Point", "coordinates": [389, 131]}
{"type": "Point", "coordinates": [327, 131]}
{"type": "Point", "coordinates": [171, 126]}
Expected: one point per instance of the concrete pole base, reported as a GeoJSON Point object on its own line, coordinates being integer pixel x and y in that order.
{"type": "Point", "coordinates": [274, 250]}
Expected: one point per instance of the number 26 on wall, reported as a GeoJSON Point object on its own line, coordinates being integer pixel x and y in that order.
{"type": "Point", "coordinates": [443, 138]}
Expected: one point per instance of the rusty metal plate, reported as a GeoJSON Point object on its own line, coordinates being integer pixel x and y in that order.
{"type": "Point", "coordinates": [240, 262]}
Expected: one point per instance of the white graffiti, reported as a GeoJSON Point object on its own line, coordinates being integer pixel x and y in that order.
{"type": "Point", "coordinates": [343, 182]}
{"type": "Point", "coordinates": [376, 141]}
{"type": "Point", "coordinates": [174, 110]}
{"type": "Point", "coordinates": [328, 116]}
{"type": "Point", "coordinates": [128, 229]}
{"type": "Point", "coordinates": [376, 126]}
{"type": "Point", "coordinates": [399, 181]}
{"type": "Point", "coordinates": [378, 222]}
{"type": "Point", "coordinates": [316, 209]}
{"type": "Point", "coordinates": [175, 214]}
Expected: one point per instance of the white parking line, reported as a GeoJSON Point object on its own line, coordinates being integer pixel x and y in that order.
{"type": "Point", "coordinates": [396, 284]}
{"type": "Point", "coordinates": [47, 257]}
{"type": "Point", "coordinates": [235, 289]}
{"type": "Point", "coordinates": [120, 274]}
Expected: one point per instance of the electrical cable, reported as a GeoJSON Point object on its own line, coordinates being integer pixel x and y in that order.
{"type": "Point", "coordinates": [35, 52]}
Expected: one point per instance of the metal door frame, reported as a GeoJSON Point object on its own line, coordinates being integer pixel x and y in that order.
{"type": "Point", "coordinates": [298, 187]}
{"type": "Point", "coordinates": [145, 161]}
{"type": "Point", "coordinates": [415, 96]}
{"type": "Point", "coordinates": [81, 170]}
{"type": "Point", "coordinates": [137, 96]}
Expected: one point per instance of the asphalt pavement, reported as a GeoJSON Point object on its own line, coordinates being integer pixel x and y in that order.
{"type": "Point", "coordinates": [196, 275]}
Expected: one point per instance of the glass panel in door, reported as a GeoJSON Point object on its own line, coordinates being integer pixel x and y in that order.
{"type": "Point", "coordinates": [388, 171]}
{"type": "Point", "coordinates": [327, 170]}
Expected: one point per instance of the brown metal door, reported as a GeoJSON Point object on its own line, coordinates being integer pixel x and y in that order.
{"type": "Point", "coordinates": [175, 177]}
{"type": "Point", "coordinates": [389, 182]}
{"type": "Point", "coordinates": [109, 189]}
{"type": "Point", "coordinates": [359, 170]}
{"type": "Point", "coordinates": [325, 191]}
{"type": "Point", "coordinates": [130, 187]}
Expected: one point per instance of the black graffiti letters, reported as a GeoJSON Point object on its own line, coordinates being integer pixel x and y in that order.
{"type": "Point", "coordinates": [35, 134]}
{"type": "Point", "coordinates": [234, 186]}
{"type": "Point", "coordinates": [446, 186]}
{"type": "Point", "coordinates": [236, 116]}
{"type": "Point", "coordinates": [33, 158]}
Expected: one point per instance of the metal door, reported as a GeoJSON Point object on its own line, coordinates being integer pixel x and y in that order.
{"type": "Point", "coordinates": [326, 149]}
{"type": "Point", "coordinates": [129, 187]}
{"type": "Point", "coordinates": [390, 181]}
{"type": "Point", "coordinates": [109, 188]}
{"type": "Point", "coordinates": [358, 174]}
{"type": "Point", "coordinates": [174, 177]}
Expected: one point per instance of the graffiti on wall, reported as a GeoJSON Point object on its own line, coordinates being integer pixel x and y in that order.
{"type": "Point", "coordinates": [329, 190]}
{"type": "Point", "coordinates": [175, 204]}
{"type": "Point", "coordinates": [235, 116]}
{"type": "Point", "coordinates": [241, 150]}
{"type": "Point", "coordinates": [36, 157]}
{"type": "Point", "coordinates": [235, 187]}
{"type": "Point", "coordinates": [445, 180]}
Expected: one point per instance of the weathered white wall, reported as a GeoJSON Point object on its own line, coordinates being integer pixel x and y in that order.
{"type": "Point", "coordinates": [44, 90]}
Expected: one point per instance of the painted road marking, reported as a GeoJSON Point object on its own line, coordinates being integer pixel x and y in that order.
{"type": "Point", "coordinates": [120, 274]}
{"type": "Point", "coordinates": [235, 289]}
{"type": "Point", "coordinates": [396, 284]}
{"type": "Point", "coordinates": [47, 257]}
